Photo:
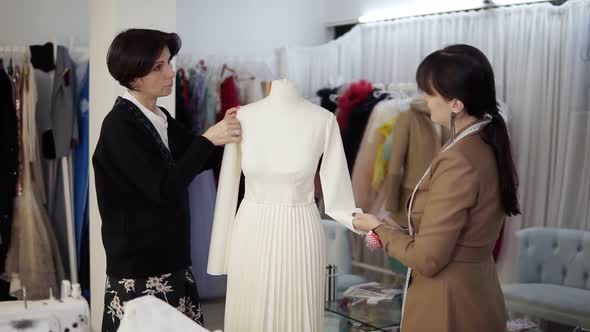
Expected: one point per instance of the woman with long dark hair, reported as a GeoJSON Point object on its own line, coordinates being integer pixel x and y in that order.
{"type": "Point", "coordinates": [457, 209]}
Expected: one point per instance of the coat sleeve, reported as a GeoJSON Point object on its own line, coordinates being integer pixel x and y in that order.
{"type": "Point", "coordinates": [453, 191]}
{"type": "Point", "coordinates": [225, 209]}
{"type": "Point", "coordinates": [186, 137]}
{"type": "Point", "coordinates": [120, 153]}
{"type": "Point", "coordinates": [335, 178]}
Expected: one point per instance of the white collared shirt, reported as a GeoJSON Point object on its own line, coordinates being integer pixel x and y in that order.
{"type": "Point", "coordinates": [159, 120]}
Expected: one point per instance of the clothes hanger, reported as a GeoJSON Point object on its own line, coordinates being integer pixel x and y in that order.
{"type": "Point", "coordinates": [226, 67]}
{"type": "Point", "coordinates": [334, 98]}
{"type": "Point", "coordinates": [201, 65]}
{"type": "Point", "coordinates": [378, 93]}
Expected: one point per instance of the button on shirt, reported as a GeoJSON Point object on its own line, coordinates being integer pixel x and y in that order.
{"type": "Point", "coordinates": [159, 120]}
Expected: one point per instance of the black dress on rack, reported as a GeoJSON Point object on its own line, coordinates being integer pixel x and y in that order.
{"type": "Point", "coordinates": [326, 100]}
{"type": "Point", "coordinates": [8, 169]}
{"type": "Point", "coordinates": [357, 121]}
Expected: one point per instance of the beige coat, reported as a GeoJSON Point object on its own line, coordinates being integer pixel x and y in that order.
{"type": "Point", "coordinates": [457, 216]}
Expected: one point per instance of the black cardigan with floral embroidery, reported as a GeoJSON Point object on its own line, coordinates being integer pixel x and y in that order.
{"type": "Point", "coordinates": [142, 191]}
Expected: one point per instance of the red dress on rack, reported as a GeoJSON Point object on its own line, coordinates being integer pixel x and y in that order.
{"type": "Point", "coordinates": [228, 95]}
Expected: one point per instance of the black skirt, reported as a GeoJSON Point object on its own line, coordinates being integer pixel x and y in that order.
{"type": "Point", "coordinates": [178, 289]}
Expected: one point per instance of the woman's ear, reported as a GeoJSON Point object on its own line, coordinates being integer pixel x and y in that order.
{"type": "Point", "coordinates": [135, 84]}
{"type": "Point", "coordinates": [457, 106]}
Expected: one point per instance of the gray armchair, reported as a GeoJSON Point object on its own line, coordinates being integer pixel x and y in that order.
{"type": "Point", "coordinates": [553, 276]}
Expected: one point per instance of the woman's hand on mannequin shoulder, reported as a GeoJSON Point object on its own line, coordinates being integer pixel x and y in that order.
{"type": "Point", "coordinates": [225, 131]}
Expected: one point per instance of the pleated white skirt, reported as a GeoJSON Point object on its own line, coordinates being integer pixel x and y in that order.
{"type": "Point", "coordinates": [276, 269]}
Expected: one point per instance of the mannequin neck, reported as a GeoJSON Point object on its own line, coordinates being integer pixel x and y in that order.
{"type": "Point", "coordinates": [285, 91]}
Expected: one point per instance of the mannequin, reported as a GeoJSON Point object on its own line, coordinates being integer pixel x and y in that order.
{"type": "Point", "coordinates": [273, 249]}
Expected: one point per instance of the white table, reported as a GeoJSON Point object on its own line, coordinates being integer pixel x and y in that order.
{"type": "Point", "coordinates": [69, 315]}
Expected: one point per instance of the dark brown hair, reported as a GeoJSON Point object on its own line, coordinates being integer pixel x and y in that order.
{"type": "Point", "coordinates": [134, 52]}
{"type": "Point", "coordinates": [464, 73]}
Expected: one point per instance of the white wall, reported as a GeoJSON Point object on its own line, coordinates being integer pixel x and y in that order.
{"type": "Point", "coordinates": [248, 27]}
{"type": "Point", "coordinates": [25, 22]}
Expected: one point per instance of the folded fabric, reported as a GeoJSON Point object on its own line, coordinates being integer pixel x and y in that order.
{"type": "Point", "coordinates": [150, 314]}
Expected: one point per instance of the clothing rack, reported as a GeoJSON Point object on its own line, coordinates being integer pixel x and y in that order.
{"type": "Point", "coordinates": [201, 65]}
{"type": "Point", "coordinates": [7, 49]}
{"type": "Point", "coordinates": [20, 51]}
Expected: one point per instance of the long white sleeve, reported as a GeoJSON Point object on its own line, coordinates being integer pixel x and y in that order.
{"type": "Point", "coordinates": [225, 209]}
{"type": "Point", "coordinates": [336, 186]}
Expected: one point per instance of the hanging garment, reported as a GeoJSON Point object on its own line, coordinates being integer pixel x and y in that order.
{"type": "Point", "coordinates": [58, 124]}
{"type": "Point", "coordinates": [202, 191]}
{"type": "Point", "coordinates": [211, 103]}
{"type": "Point", "coordinates": [42, 57]}
{"type": "Point", "coordinates": [247, 91]}
{"type": "Point", "coordinates": [81, 167]}
{"type": "Point", "coordinates": [197, 103]}
{"type": "Point", "coordinates": [182, 99]}
{"type": "Point", "coordinates": [415, 143]}
{"type": "Point", "coordinates": [64, 110]}
{"type": "Point", "coordinates": [228, 95]}
{"type": "Point", "coordinates": [33, 255]}
{"type": "Point", "coordinates": [327, 99]}
{"type": "Point", "coordinates": [355, 94]}
{"type": "Point", "coordinates": [357, 122]}
{"type": "Point", "coordinates": [9, 150]}
{"type": "Point", "coordinates": [58, 119]}
{"type": "Point", "coordinates": [273, 249]}
{"type": "Point", "coordinates": [362, 173]}
{"type": "Point", "coordinates": [380, 165]}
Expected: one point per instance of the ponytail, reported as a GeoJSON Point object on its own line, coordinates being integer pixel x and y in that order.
{"type": "Point", "coordinates": [464, 73]}
{"type": "Point", "coordinates": [496, 135]}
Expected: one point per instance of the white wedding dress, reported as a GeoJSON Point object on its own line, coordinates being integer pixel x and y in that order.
{"type": "Point", "coordinates": [273, 249]}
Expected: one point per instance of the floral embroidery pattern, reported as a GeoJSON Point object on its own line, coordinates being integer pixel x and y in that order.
{"type": "Point", "coordinates": [177, 289]}
{"type": "Point", "coordinates": [158, 285]}
{"type": "Point", "coordinates": [188, 275]}
{"type": "Point", "coordinates": [129, 284]}
{"type": "Point", "coordinates": [115, 309]}
{"type": "Point", "coordinates": [192, 311]}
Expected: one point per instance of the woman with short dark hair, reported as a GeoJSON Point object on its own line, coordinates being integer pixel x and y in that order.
{"type": "Point", "coordinates": [458, 207]}
{"type": "Point", "coordinates": [143, 163]}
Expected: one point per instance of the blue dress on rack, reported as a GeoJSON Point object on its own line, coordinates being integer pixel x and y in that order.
{"type": "Point", "coordinates": [202, 194]}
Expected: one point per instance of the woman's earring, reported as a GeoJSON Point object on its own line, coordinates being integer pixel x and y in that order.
{"type": "Point", "coordinates": [453, 116]}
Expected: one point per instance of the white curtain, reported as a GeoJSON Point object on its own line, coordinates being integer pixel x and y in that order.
{"type": "Point", "coordinates": [541, 58]}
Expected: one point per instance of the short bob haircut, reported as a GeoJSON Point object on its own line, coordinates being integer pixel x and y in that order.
{"type": "Point", "coordinates": [134, 52]}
